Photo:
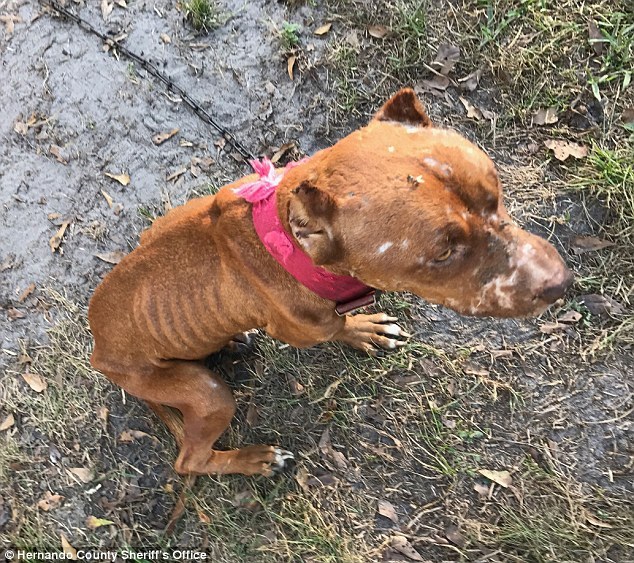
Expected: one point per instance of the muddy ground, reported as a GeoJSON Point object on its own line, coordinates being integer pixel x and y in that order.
{"type": "Point", "coordinates": [391, 451]}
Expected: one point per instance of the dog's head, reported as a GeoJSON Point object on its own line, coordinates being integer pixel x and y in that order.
{"type": "Point", "coordinates": [404, 206]}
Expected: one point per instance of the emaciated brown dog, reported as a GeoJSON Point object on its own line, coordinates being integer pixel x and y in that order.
{"type": "Point", "coordinates": [398, 205]}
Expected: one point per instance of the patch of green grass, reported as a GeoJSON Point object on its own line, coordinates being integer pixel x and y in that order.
{"type": "Point", "coordinates": [617, 60]}
{"type": "Point", "coordinates": [540, 51]}
{"type": "Point", "coordinates": [408, 49]}
{"type": "Point", "coordinates": [353, 52]}
{"type": "Point", "coordinates": [289, 35]}
{"type": "Point", "coordinates": [149, 215]}
{"type": "Point", "coordinates": [609, 175]}
{"type": "Point", "coordinates": [549, 518]}
{"type": "Point", "coordinates": [64, 365]}
{"type": "Point", "coordinates": [204, 15]}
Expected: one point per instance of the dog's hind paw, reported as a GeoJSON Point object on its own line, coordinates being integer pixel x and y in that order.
{"type": "Point", "coordinates": [281, 459]}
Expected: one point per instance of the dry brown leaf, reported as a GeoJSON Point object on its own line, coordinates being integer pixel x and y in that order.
{"type": "Point", "coordinates": [551, 328]}
{"type": "Point", "coordinates": [245, 499]}
{"type": "Point", "coordinates": [402, 545]}
{"type": "Point", "coordinates": [387, 509]}
{"type": "Point", "coordinates": [290, 64]}
{"type": "Point", "coordinates": [106, 9]}
{"type": "Point", "coordinates": [329, 452]}
{"type": "Point", "coordinates": [448, 422]}
{"type": "Point", "coordinates": [35, 382]}
{"type": "Point", "coordinates": [627, 117]}
{"type": "Point", "coordinates": [596, 38]}
{"type": "Point", "coordinates": [471, 81]}
{"type": "Point", "coordinates": [123, 178]}
{"type": "Point", "coordinates": [176, 174]}
{"type": "Point", "coordinates": [84, 474]}
{"type": "Point", "coordinates": [564, 149]}
{"type": "Point", "coordinates": [15, 314]}
{"type": "Point", "coordinates": [108, 198]}
{"type": "Point", "coordinates": [57, 153]}
{"type": "Point", "coordinates": [323, 29]}
{"type": "Point", "coordinates": [546, 116]}
{"type": "Point", "coordinates": [56, 239]}
{"type": "Point", "coordinates": [102, 413]}
{"type": "Point", "coordinates": [282, 151]}
{"type": "Point", "coordinates": [202, 516]}
{"type": "Point", "coordinates": [132, 435]}
{"type": "Point", "coordinates": [30, 289]}
{"type": "Point", "coordinates": [7, 423]}
{"type": "Point", "coordinates": [569, 317]}
{"type": "Point", "coordinates": [592, 519]}
{"type": "Point", "coordinates": [297, 388]}
{"type": "Point", "coordinates": [113, 257]}
{"type": "Point", "coordinates": [601, 304]}
{"type": "Point", "coordinates": [322, 480]}
{"type": "Point", "coordinates": [165, 38]}
{"type": "Point", "coordinates": [20, 128]}
{"type": "Point", "coordinates": [472, 111]}
{"type": "Point", "coordinates": [9, 22]}
{"type": "Point", "coordinates": [49, 501]}
{"type": "Point", "coordinates": [352, 39]}
{"type": "Point", "coordinates": [252, 415]}
{"type": "Point", "coordinates": [446, 58]}
{"type": "Point", "coordinates": [69, 551]}
{"type": "Point", "coordinates": [471, 368]}
{"type": "Point", "coordinates": [160, 138]}
{"type": "Point", "coordinates": [482, 490]}
{"type": "Point", "coordinates": [438, 82]}
{"type": "Point", "coordinates": [454, 535]}
{"type": "Point", "coordinates": [378, 31]}
{"type": "Point", "coordinates": [93, 522]}
{"type": "Point", "coordinates": [502, 478]}
{"type": "Point", "coordinates": [582, 244]}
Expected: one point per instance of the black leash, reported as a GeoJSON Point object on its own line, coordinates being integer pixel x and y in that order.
{"type": "Point", "coordinates": [195, 106]}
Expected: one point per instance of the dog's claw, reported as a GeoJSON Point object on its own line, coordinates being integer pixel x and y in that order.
{"type": "Point", "coordinates": [372, 333]}
{"type": "Point", "coordinates": [281, 456]}
{"type": "Point", "coordinates": [392, 329]}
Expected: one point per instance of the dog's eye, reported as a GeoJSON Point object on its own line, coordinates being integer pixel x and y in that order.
{"type": "Point", "coordinates": [445, 255]}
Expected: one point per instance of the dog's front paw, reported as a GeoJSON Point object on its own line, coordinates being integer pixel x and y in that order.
{"type": "Point", "coordinates": [370, 333]}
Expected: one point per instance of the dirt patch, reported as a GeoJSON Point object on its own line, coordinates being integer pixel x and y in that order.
{"type": "Point", "coordinates": [549, 400]}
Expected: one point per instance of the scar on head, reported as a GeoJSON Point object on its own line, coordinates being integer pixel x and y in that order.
{"type": "Point", "coordinates": [384, 247]}
{"type": "Point", "coordinates": [441, 169]}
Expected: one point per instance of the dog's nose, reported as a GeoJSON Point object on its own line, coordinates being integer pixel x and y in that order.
{"type": "Point", "coordinates": [557, 287]}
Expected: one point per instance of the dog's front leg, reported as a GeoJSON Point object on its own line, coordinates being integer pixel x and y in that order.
{"type": "Point", "coordinates": [371, 332]}
{"type": "Point", "coordinates": [368, 333]}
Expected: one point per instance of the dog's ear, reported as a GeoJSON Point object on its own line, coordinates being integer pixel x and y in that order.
{"type": "Point", "coordinates": [404, 107]}
{"type": "Point", "coordinates": [310, 213]}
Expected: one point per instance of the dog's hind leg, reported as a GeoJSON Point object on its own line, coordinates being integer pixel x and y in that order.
{"type": "Point", "coordinates": [170, 418]}
{"type": "Point", "coordinates": [207, 406]}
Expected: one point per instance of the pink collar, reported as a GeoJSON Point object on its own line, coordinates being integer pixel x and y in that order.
{"type": "Point", "coordinates": [348, 292]}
